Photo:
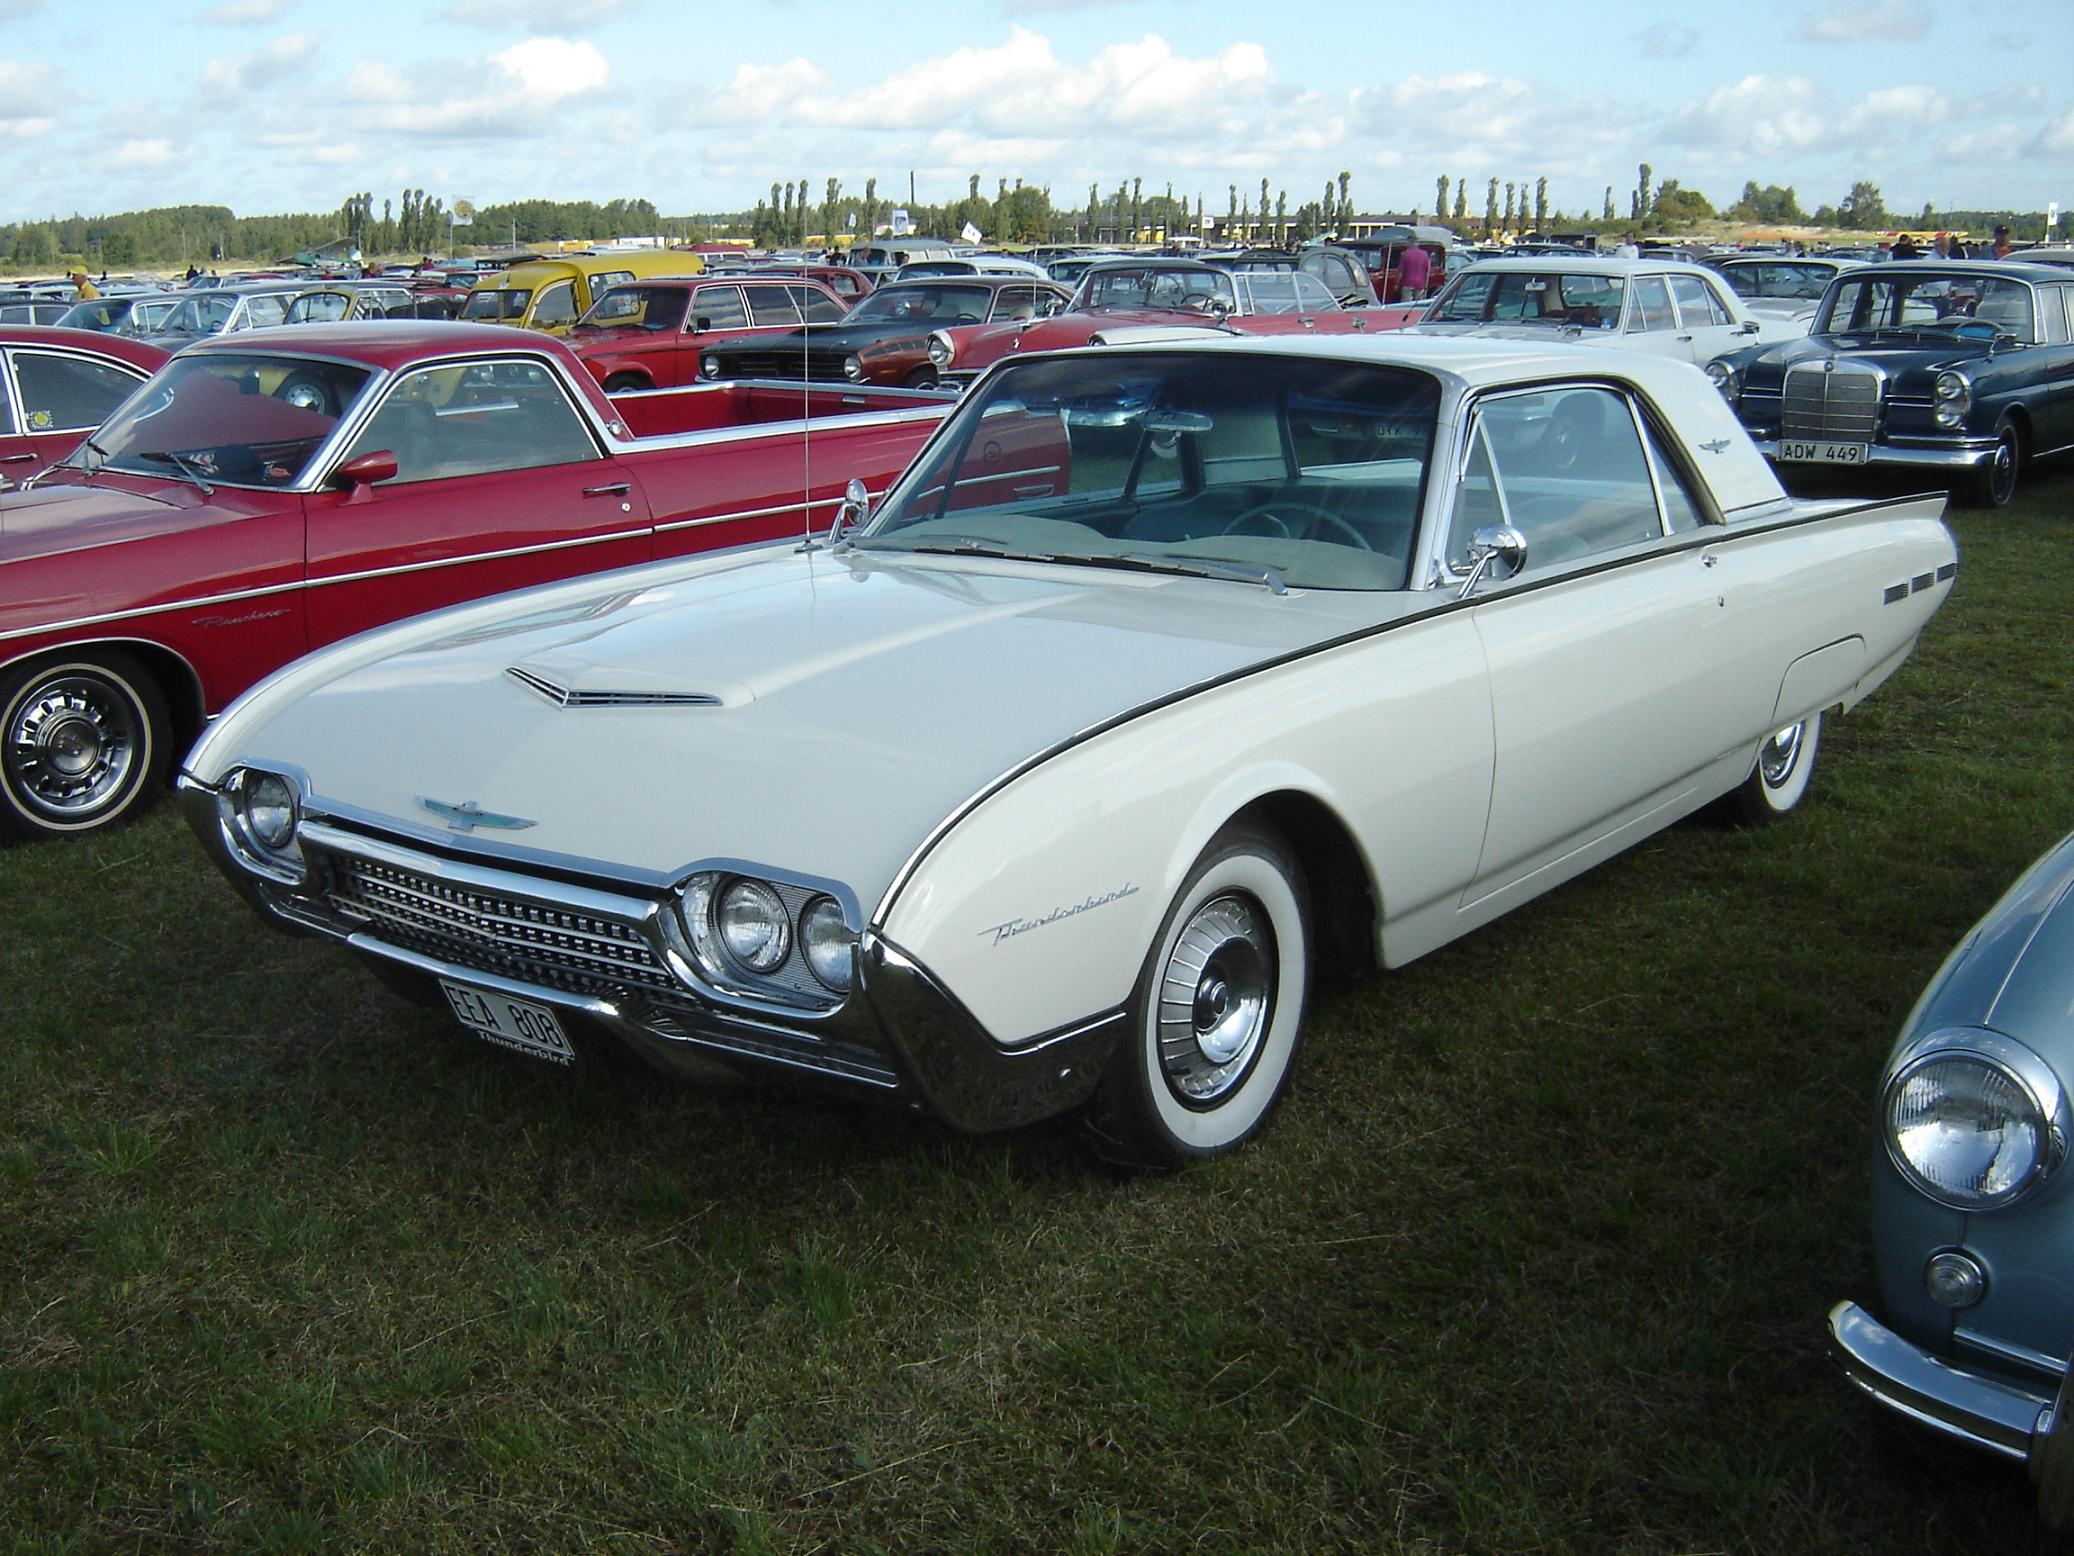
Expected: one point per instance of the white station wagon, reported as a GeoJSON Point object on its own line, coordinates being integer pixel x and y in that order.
{"type": "Point", "coordinates": [1166, 676]}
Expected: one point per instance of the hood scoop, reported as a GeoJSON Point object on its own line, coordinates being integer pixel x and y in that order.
{"type": "Point", "coordinates": [564, 693]}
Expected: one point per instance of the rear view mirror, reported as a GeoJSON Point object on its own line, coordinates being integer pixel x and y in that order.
{"type": "Point", "coordinates": [369, 469]}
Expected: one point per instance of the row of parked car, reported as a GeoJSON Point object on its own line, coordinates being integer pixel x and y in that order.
{"type": "Point", "coordinates": [1119, 651]}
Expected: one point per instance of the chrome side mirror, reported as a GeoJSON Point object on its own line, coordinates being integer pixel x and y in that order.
{"type": "Point", "coordinates": [1498, 549]}
{"type": "Point", "coordinates": [854, 510]}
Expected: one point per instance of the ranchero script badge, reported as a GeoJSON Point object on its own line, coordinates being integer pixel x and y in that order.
{"type": "Point", "coordinates": [467, 817]}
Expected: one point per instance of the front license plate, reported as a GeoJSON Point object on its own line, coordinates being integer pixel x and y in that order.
{"type": "Point", "coordinates": [1804, 452]}
{"type": "Point", "coordinates": [509, 1023]}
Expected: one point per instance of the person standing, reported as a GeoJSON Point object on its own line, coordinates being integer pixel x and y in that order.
{"type": "Point", "coordinates": [82, 288]}
{"type": "Point", "coordinates": [1414, 272]}
{"type": "Point", "coordinates": [2002, 247]}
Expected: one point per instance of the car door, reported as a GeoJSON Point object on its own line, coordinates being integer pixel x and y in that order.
{"type": "Point", "coordinates": [51, 399]}
{"type": "Point", "coordinates": [1612, 654]}
{"type": "Point", "coordinates": [1705, 325]}
{"type": "Point", "coordinates": [500, 483]}
{"type": "Point", "coordinates": [1652, 323]}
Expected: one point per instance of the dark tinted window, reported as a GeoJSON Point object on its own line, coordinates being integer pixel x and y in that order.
{"type": "Point", "coordinates": [67, 394]}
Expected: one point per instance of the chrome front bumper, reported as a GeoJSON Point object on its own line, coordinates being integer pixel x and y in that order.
{"type": "Point", "coordinates": [1954, 457]}
{"type": "Point", "coordinates": [900, 1037]}
{"type": "Point", "coordinates": [1971, 1407]}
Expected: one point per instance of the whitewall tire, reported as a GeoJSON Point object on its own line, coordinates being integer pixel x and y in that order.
{"type": "Point", "coordinates": [1780, 776]}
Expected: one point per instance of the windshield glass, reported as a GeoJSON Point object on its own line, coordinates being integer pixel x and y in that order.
{"type": "Point", "coordinates": [201, 315]}
{"type": "Point", "coordinates": [638, 307]}
{"type": "Point", "coordinates": [1931, 300]}
{"type": "Point", "coordinates": [496, 304]}
{"type": "Point", "coordinates": [1166, 288]}
{"type": "Point", "coordinates": [1531, 297]}
{"type": "Point", "coordinates": [1229, 466]}
{"type": "Point", "coordinates": [240, 420]}
{"type": "Point", "coordinates": [929, 305]}
{"type": "Point", "coordinates": [96, 313]}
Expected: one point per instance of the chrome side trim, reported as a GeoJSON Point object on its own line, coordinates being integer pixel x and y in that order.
{"type": "Point", "coordinates": [478, 556]}
{"type": "Point", "coordinates": [2010, 1354]}
{"type": "Point", "coordinates": [1909, 1380]}
{"type": "Point", "coordinates": [151, 610]}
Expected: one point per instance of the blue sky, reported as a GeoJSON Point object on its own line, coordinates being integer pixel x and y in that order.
{"type": "Point", "coordinates": [280, 105]}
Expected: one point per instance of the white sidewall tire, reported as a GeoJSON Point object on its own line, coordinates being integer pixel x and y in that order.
{"type": "Point", "coordinates": [1755, 802]}
{"type": "Point", "coordinates": [1139, 1119]}
{"type": "Point", "coordinates": [147, 708]}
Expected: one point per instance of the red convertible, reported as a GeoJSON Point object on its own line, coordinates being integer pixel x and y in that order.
{"type": "Point", "coordinates": [57, 385]}
{"type": "Point", "coordinates": [1165, 293]}
{"type": "Point", "coordinates": [274, 491]}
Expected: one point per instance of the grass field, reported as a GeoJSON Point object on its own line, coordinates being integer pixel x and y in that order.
{"type": "Point", "coordinates": [1535, 1257]}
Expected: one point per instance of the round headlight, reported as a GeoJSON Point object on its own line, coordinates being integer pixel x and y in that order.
{"type": "Point", "coordinates": [752, 924]}
{"type": "Point", "coordinates": [266, 805]}
{"type": "Point", "coordinates": [709, 367]}
{"type": "Point", "coordinates": [853, 368]}
{"type": "Point", "coordinates": [1954, 398]}
{"type": "Point", "coordinates": [828, 943]}
{"type": "Point", "coordinates": [940, 349]}
{"type": "Point", "coordinates": [1965, 1131]}
{"type": "Point", "coordinates": [1726, 379]}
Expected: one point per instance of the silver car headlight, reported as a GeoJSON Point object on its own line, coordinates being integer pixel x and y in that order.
{"type": "Point", "coordinates": [940, 349]}
{"type": "Point", "coordinates": [261, 811]}
{"type": "Point", "coordinates": [1954, 398]}
{"type": "Point", "coordinates": [853, 368]}
{"type": "Point", "coordinates": [1975, 1123]}
{"type": "Point", "coordinates": [709, 367]}
{"type": "Point", "coordinates": [828, 943]}
{"type": "Point", "coordinates": [1726, 379]}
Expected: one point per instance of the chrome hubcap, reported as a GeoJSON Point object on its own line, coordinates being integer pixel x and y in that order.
{"type": "Point", "coordinates": [1779, 755]}
{"type": "Point", "coordinates": [1215, 998]}
{"type": "Point", "coordinates": [72, 745]}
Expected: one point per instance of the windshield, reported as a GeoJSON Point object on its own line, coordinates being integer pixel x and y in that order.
{"type": "Point", "coordinates": [96, 313]}
{"type": "Point", "coordinates": [1933, 300]}
{"type": "Point", "coordinates": [1247, 467]}
{"type": "Point", "coordinates": [201, 315]}
{"type": "Point", "coordinates": [1531, 297]}
{"type": "Point", "coordinates": [240, 420]}
{"type": "Point", "coordinates": [1169, 289]}
{"type": "Point", "coordinates": [923, 305]}
{"type": "Point", "coordinates": [638, 307]}
{"type": "Point", "coordinates": [496, 304]}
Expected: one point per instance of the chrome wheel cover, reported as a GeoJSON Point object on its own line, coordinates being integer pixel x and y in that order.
{"type": "Point", "coordinates": [73, 746]}
{"type": "Point", "coordinates": [1216, 1000]}
{"type": "Point", "coordinates": [2002, 471]}
{"type": "Point", "coordinates": [1780, 754]}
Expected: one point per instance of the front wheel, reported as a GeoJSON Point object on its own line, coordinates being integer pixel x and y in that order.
{"type": "Point", "coordinates": [1780, 776]}
{"type": "Point", "coordinates": [1217, 1014]}
{"type": "Point", "coordinates": [1993, 485]}
{"type": "Point", "coordinates": [923, 378]}
{"type": "Point", "coordinates": [85, 744]}
{"type": "Point", "coordinates": [626, 383]}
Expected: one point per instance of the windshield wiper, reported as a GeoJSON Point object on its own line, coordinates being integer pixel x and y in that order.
{"type": "Point", "coordinates": [965, 545]}
{"type": "Point", "coordinates": [186, 467]}
{"type": "Point", "coordinates": [1193, 567]}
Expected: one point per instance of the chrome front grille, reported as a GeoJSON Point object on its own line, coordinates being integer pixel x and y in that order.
{"type": "Point", "coordinates": [494, 932]}
{"type": "Point", "coordinates": [1842, 405]}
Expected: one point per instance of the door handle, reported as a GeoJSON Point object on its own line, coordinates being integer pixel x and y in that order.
{"type": "Point", "coordinates": [1708, 559]}
{"type": "Point", "coordinates": [613, 489]}
{"type": "Point", "coordinates": [15, 459]}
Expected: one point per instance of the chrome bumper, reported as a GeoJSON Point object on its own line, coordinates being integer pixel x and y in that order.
{"type": "Point", "coordinates": [1971, 1407]}
{"type": "Point", "coordinates": [900, 1037]}
{"type": "Point", "coordinates": [1940, 458]}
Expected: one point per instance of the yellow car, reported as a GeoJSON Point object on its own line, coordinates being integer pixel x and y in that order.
{"type": "Point", "coordinates": [552, 294]}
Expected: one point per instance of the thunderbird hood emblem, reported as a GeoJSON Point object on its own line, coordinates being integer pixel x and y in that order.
{"type": "Point", "coordinates": [468, 816]}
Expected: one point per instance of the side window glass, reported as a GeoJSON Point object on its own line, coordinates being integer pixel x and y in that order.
{"type": "Point", "coordinates": [1573, 473]}
{"type": "Point", "coordinates": [819, 307]}
{"type": "Point", "coordinates": [1681, 508]}
{"type": "Point", "coordinates": [1652, 310]}
{"type": "Point", "coordinates": [772, 306]}
{"type": "Point", "coordinates": [721, 307]}
{"type": "Point", "coordinates": [67, 394]}
{"type": "Point", "coordinates": [555, 306]}
{"type": "Point", "coordinates": [1749, 280]}
{"type": "Point", "coordinates": [6, 407]}
{"type": "Point", "coordinates": [2058, 313]}
{"type": "Point", "coordinates": [1478, 502]}
{"type": "Point", "coordinates": [1695, 307]}
{"type": "Point", "coordinates": [607, 279]}
{"type": "Point", "coordinates": [475, 418]}
{"type": "Point", "coordinates": [1312, 295]}
{"type": "Point", "coordinates": [267, 308]}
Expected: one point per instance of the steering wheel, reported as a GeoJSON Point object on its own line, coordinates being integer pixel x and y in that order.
{"type": "Point", "coordinates": [1274, 518]}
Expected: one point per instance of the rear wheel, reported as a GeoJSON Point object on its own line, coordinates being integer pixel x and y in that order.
{"type": "Point", "coordinates": [83, 744]}
{"type": "Point", "coordinates": [1993, 485]}
{"type": "Point", "coordinates": [1780, 776]}
{"type": "Point", "coordinates": [922, 378]}
{"type": "Point", "coordinates": [1218, 1012]}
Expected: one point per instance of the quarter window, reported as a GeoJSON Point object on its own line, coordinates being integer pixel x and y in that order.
{"type": "Point", "coordinates": [555, 306]}
{"type": "Point", "coordinates": [772, 306]}
{"type": "Point", "coordinates": [1652, 305]}
{"type": "Point", "coordinates": [1566, 468]}
{"type": "Point", "coordinates": [476, 418]}
{"type": "Point", "coordinates": [67, 394]}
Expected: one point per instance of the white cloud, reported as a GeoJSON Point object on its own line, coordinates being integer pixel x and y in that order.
{"type": "Point", "coordinates": [244, 13]}
{"type": "Point", "coordinates": [554, 68]}
{"type": "Point", "coordinates": [1760, 117]}
{"type": "Point", "coordinates": [1868, 21]}
{"type": "Point", "coordinates": [157, 152]}
{"type": "Point", "coordinates": [533, 14]}
{"type": "Point", "coordinates": [1897, 110]}
{"type": "Point", "coordinates": [497, 98]}
{"type": "Point", "coordinates": [2058, 136]}
{"type": "Point", "coordinates": [28, 102]}
{"type": "Point", "coordinates": [758, 92]}
{"type": "Point", "coordinates": [264, 69]}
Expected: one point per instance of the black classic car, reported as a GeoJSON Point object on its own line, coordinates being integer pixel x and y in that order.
{"type": "Point", "coordinates": [1964, 368]}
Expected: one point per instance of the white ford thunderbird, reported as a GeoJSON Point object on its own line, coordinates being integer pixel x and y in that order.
{"type": "Point", "coordinates": [1166, 676]}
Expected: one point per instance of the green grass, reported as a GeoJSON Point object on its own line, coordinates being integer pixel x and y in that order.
{"type": "Point", "coordinates": [1535, 1257]}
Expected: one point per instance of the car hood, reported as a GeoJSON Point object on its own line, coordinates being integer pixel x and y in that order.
{"type": "Point", "coordinates": [46, 520]}
{"type": "Point", "coordinates": [2014, 972]}
{"type": "Point", "coordinates": [816, 713]}
{"type": "Point", "coordinates": [1894, 352]}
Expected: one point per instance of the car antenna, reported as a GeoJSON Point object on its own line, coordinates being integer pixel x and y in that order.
{"type": "Point", "coordinates": [806, 443]}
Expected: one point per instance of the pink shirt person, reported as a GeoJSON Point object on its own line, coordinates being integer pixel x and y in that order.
{"type": "Point", "coordinates": [1414, 270]}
